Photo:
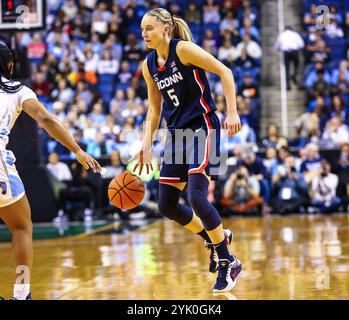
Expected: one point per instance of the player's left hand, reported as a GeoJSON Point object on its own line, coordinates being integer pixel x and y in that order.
{"type": "Point", "coordinates": [232, 124]}
{"type": "Point", "coordinates": [87, 161]}
{"type": "Point", "coordinates": [143, 159]}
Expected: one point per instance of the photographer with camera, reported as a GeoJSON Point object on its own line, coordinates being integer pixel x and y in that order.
{"type": "Point", "coordinates": [289, 189]}
{"type": "Point", "coordinates": [323, 190]}
{"type": "Point", "coordinates": [256, 169]}
{"type": "Point", "coordinates": [241, 193]}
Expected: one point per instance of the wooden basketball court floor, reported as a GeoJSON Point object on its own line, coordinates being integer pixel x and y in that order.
{"type": "Point", "coordinates": [293, 257]}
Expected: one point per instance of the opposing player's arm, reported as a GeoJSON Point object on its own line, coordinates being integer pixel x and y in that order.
{"type": "Point", "coordinates": [55, 128]}
{"type": "Point", "coordinates": [155, 107]}
{"type": "Point", "coordinates": [191, 54]}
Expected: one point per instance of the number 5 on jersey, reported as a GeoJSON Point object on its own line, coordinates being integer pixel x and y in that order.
{"type": "Point", "coordinates": [173, 97]}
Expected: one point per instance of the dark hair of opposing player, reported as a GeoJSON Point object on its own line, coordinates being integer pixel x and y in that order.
{"type": "Point", "coordinates": [6, 57]}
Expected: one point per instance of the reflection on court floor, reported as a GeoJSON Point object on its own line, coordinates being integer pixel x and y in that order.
{"type": "Point", "coordinates": [294, 257]}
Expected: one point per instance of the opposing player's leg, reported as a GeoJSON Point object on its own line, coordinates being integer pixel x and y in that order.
{"type": "Point", "coordinates": [17, 217]}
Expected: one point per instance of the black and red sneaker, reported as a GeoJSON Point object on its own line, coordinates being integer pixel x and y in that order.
{"type": "Point", "coordinates": [228, 271]}
{"type": "Point", "coordinates": [228, 235]}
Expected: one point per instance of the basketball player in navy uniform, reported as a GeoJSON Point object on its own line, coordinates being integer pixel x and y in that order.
{"type": "Point", "coordinates": [14, 206]}
{"type": "Point", "coordinates": [175, 74]}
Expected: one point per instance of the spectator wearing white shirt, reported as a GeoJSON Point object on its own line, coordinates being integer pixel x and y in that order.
{"type": "Point", "coordinates": [251, 47]}
{"type": "Point", "coordinates": [89, 130]}
{"type": "Point", "coordinates": [333, 30]}
{"type": "Point", "coordinates": [227, 53]}
{"type": "Point", "coordinates": [57, 34]}
{"type": "Point", "coordinates": [290, 43]}
{"type": "Point", "coordinates": [336, 133]}
{"type": "Point", "coordinates": [107, 65]}
{"type": "Point", "coordinates": [91, 61]}
{"type": "Point", "coordinates": [211, 12]}
{"type": "Point", "coordinates": [229, 23]}
{"type": "Point", "coordinates": [102, 11]}
{"type": "Point", "coordinates": [58, 108]}
{"type": "Point", "coordinates": [324, 188]}
{"type": "Point", "coordinates": [58, 169]}
{"type": "Point", "coordinates": [70, 9]}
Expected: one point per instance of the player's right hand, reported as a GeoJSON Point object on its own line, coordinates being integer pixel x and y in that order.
{"type": "Point", "coordinates": [143, 159]}
{"type": "Point", "coordinates": [87, 161]}
{"type": "Point", "coordinates": [232, 124]}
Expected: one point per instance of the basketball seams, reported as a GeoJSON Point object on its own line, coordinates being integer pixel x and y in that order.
{"type": "Point", "coordinates": [119, 188]}
{"type": "Point", "coordinates": [116, 181]}
{"type": "Point", "coordinates": [114, 196]}
{"type": "Point", "coordinates": [125, 185]}
{"type": "Point", "coordinates": [123, 180]}
{"type": "Point", "coordinates": [135, 179]}
{"type": "Point", "coordinates": [135, 190]}
{"type": "Point", "coordinates": [129, 197]}
{"type": "Point", "coordinates": [122, 207]}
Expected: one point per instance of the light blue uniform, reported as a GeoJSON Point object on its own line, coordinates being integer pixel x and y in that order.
{"type": "Point", "coordinates": [11, 186]}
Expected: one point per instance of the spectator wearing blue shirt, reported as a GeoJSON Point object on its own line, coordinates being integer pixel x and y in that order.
{"type": "Point", "coordinates": [320, 86]}
{"type": "Point", "coordinates": [124, 77]}
{"type": "Point", "coordinates": [312, 77]}
{"type": "Point", "coordinates": [97, 46]}
{"type": "Point", "coordinates": [97, 116]}
{"type": "Point", "coordinates": [249, 29]}
{"type": "Point", "coordinates": [289, 189]}
{"type": "Point", "coordinates": [343, 68]}
{"type": "Point", "coordinates": [271, 160]}
{"type": "Point", "coordinates": [339, 109]}
{"type": "Point", "coordinates": [97, 147]}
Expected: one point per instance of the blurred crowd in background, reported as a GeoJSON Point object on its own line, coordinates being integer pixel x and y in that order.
{"type": "Point", "coordinates": [86, 69]}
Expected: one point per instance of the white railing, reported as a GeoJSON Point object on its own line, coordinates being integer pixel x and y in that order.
{"type": "Point", "coordinates": [283, 84]}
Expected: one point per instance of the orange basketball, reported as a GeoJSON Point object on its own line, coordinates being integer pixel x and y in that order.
{"type": "Point", "coordinates": [126, 191]}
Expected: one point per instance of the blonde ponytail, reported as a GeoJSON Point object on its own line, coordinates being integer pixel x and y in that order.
{"type": "Point", "coordinates": [181, 30]}
{"type": "Point", "coordinates": [178, 27]}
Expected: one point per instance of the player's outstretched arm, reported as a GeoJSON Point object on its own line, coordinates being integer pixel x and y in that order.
{"type": "Point", "coordinates": [191, 54]}
{"type": "Point", "coordinates": [55, 128]}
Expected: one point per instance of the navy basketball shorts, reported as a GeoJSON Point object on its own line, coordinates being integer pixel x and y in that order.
{"type": "Point", "coordinates": [193, 149]}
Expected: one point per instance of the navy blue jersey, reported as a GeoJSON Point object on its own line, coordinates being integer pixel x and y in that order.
{"type": "Point", "coordinates": [185, 89]}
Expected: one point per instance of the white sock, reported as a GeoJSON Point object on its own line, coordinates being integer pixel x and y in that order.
{"type": "Point", "coordinates": [20, 291]}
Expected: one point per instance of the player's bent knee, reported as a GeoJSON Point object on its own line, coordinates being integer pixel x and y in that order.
{"type": "Point", "coordinates": [197, 199]}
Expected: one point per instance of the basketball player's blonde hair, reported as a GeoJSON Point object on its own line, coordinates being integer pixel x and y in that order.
{"type": "Point", "coordinates": [178, 27]}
